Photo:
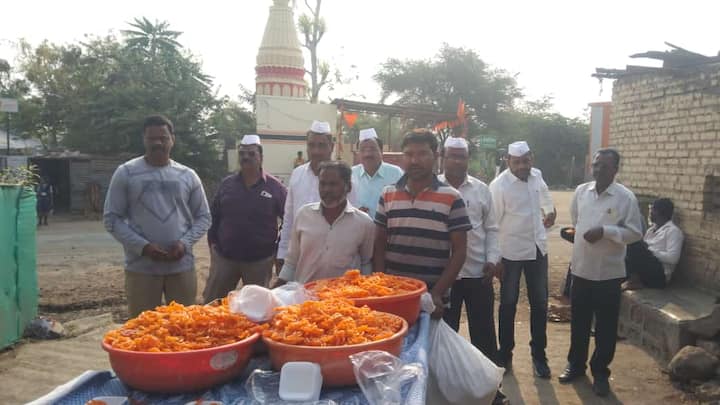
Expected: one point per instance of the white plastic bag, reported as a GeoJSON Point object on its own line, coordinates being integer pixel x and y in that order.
{"type": "Point", "coordinates": [258, 303]}
{"type": "Point", "coordinates": [292, 293]}
{"type": "Point", "coordinates": [381, 376]}
{"type": "Point", "coordinates": [461, 373]}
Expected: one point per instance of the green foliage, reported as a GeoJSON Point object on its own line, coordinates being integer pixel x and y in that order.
{"type": "Point", "coordinates": [19, 176]}
{"type": "Point", "coordinates": [93, 95]}
{"type": "Point", "coordinates": [554, 140]}
{"type": "Point", "coordinates": [454, 73]}
{"type": "Point", "coordinates": [494, 107]}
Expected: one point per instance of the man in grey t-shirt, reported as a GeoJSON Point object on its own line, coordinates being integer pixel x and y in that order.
{"type": "Point", "coordinates": [157, 209]}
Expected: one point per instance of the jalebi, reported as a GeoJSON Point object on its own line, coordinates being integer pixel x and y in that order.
{"type": "Point", "coordinates": [354, 285]}
{"type": "Point", "coordinates": [178, 328]}
{"type": "Point", "coordinates": [332, 322]}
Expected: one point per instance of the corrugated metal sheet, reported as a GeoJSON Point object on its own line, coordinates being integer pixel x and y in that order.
{"type": "Point", "coordinates": [98, 170]}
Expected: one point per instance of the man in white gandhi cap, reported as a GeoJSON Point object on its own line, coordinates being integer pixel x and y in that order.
{"type": "Point", "coordinates": [474, 285]}
{"type": "Point", "coordinates": [372, 174]}
{"type": "Point", "coordinates": [250, 199]}
{"type": "Point", "coordinates": [524, 210]}
{"type": "Point", "coordinates": [304, 182]}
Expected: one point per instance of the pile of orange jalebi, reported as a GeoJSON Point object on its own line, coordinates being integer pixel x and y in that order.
{"type": "Point", "coordinates": [354, 285]}
{"type": "Point", "coordinates": [332, 322]}
{"type": "Point", "coordinates": [179, 328]}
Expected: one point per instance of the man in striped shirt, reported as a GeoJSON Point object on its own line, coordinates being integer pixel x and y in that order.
{"type": "Point", "coordinates": [422, 223]}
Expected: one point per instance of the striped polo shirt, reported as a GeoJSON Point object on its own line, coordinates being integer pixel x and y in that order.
{"type": "Point", "coordinates": [418, 228]}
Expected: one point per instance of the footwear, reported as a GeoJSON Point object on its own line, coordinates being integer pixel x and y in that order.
{"type": "Point", "coordinates": [540, 368]}
{"type": "Point", "coordinates": [500, 399]}
{"type": "Point", "coordinates": [601, 387]}
{"type": "Point", "coordinates": [570, 374]}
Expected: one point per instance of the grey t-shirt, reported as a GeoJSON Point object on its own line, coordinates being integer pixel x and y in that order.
{"type": "Point", "coordinates": [148, 204]}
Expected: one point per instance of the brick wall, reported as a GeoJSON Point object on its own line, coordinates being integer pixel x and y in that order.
{"type": "Point", "coordinates": [666, 125]}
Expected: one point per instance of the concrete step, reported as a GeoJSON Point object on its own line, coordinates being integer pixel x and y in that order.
{"type": "Point", "coordinates": [664, 321]}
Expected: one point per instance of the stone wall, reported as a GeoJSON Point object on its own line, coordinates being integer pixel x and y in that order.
{"type": "Point", "coordinates": [666, 125]}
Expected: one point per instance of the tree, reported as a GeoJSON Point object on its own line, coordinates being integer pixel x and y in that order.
{"type": "Point", "coordinates": [453, 74]}
{"type": "Point", "coordinates": [96, 93]}
{"type": "Point", "coordinates": [229, 122]}
{"type": "Point", "coordinates": [559, 144]}
{"type": "Point", "coordinates": [151, 38]}
{"type": "Point", "coordinates": [313, 27]}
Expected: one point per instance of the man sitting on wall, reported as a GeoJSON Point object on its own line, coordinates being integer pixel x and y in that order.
{"type": "Point", "coordinates": [651, 262]}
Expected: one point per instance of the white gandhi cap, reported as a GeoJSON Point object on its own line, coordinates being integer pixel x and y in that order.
{"type": "Point", "coordinates": [456, 143]}
{"type": "Point", "coordinates": [250, 140]}
{"type": "Point", "coordinates": [320, 127]}
{"type": "Point", "coordinates": [518, 149]}
{"type": "Point", "coordinates": [366, 134]}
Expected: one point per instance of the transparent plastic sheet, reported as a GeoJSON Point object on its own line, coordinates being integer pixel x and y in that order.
{"type": "Point", "coordinates": [381, 376]}
{"type": "Point", "coordinates": [262, 386]}
{"type": "Point", "coordinates": [459, 372]}
{"type": "Point", "coordinates": [258, 303]}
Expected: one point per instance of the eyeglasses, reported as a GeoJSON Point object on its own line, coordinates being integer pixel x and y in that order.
{"type": "Point", "coordinates": [248, 153]}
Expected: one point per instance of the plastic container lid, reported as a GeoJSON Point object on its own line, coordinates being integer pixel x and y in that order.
{"type": "Point", "coordinates": [300, 381]}
{"type": "Point", "coordinates": [111, 400]}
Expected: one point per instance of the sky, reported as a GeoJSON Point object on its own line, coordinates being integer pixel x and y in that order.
{"type": "Point", "coordinates": [552, 46]}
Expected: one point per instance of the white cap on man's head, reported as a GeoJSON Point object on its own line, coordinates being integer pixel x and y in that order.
{"type": "Point", "coordinates": [366, 134]}
{"type": "Point", "coordinates": [320, 127]}
{"type": "Point", "coordinates": [456, 143]}
{"type": "Point", "coordinates": [250, 140]}
{"type": "Point", "coordinates": [518, 148]}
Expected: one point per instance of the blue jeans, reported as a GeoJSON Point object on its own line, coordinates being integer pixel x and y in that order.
{"type": "Point", "coordinates": [536, 279]}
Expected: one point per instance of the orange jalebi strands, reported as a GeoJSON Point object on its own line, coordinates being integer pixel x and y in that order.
{"type": "Point", "coordinates": [178, 328]}
{"type": "Point", "coordinates": [354, 285]}
{"type": "Point", "coordinates": [332, 322]}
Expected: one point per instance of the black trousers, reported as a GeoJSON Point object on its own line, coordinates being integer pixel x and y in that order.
{"type": "Point", "coordinates": [601, 300]}
{"type": "Point", "coordinates": [479, 300]}
{"type": "Point", "coordinates": [536, 280]}
{"type": "Point", "coordinates": [641, 262]}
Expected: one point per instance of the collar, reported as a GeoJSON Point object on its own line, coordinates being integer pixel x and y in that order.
{"type": "Point", "coordinates": [378, 172]}
{"type": "Point", "coordinates": [514, 178]}
{"type": "Point", "coordinates": [348, 207]}
{"type": "Point", "coordinates": [434, 185]}
{"type": "Point", "coordinates": [610, 190]}
{"type": "Point", "coordinates": [667, 224]}
{"type": "Point", "coordinates": [466, 181]}
{"type": "Point", "coordinates": [263, 177]}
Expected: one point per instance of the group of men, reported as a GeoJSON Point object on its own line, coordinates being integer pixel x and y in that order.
{"type": "Point", "coordinates": [452, 231]}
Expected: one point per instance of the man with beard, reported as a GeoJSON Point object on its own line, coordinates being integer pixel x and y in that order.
{"type": "Point", "coordinates": [157, 209]}
{"type": "Point", "coordinates": [303, 185]}
{"type": "Point", "coordinates": [330, 236]}
{"type": "Point", "coordinates": [249, 200]}
{"type": "Point", "coordinates": [372, 174]}
{"type": "Point", "coordinates": [607, 218]}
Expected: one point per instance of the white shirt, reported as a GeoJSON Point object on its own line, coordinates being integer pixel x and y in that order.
{"type": "Point", "coordinates": [665, 243]}
{"type": "Point", "coordinates": [303, 188]}
{"type": "Point", "coordinates": [617, 211]}
{"type": "Point", "coordinates": [482, 239]}
{"type": "Point", "coordinates": [321, 250]}
{"type": "Point", "coordinates": [519, 207]}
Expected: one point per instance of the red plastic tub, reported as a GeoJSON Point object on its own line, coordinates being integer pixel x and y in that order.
{"type": "Point", "coordinates": [182, 371]}
{"type": "Point", "coordinates": [405, 305]}
{"type": "Point", "coordinates": [334, 361]}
